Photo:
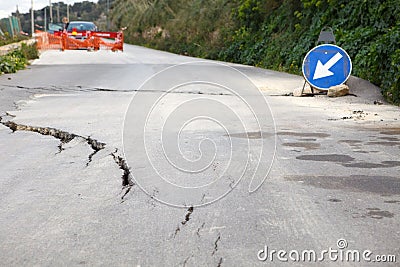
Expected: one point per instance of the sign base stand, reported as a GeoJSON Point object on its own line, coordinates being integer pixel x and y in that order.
{"type": "Point", "coordinates": [314, 91]}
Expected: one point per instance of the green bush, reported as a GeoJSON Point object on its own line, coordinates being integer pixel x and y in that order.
{"type": "Point", "coordinates": [12, 62]}
{"type": "Point", "coordinates": [30, 51]}
{"type": "Point", "coordinates": [18, 59]}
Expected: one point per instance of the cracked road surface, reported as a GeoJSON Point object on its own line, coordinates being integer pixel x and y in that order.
{"type": "Point", "coordinates": [68, 196]}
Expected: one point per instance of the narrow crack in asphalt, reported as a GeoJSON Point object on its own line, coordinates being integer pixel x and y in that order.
{"type": "Point", "coordinates": [66, 137]}
{"type": "Point", "coordinates": [186, 260]}
{"type": "Point", "coordinates": [216, 244]}
{"type": "Point", "coordinates": [187, 218]}
{"type": "Point", "coordinates": [180, 92]}
{"type": "Point", "coordinates": [199, 229]}
{"type": "Point", "coordinates": [220, 262]}
{"type": "Point", "coordinates": [10, 115]}
{"type": "Point", "coordinates": [177, 231]}
{"type": "Point", "coordinates": [61, 149]}
{"type": "Point", "coordinates": [90, 157]}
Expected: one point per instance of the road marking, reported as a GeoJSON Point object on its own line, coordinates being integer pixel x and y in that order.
{"type": "Point", "coordinates": [322, 70]}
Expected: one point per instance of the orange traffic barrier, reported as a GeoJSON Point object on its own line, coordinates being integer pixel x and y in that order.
{"type": "Point", "coordinates": [113, 41]}
{"type": "Point", "coordinates": [46, 41]}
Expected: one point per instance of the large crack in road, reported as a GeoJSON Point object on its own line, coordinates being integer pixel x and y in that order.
{"type": "Point", "coordinates": [66, 137]}
{"type": "Point", "coordinates": [86, 89]}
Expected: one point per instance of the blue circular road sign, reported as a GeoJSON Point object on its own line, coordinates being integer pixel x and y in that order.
{"type": "Point", "coordinates": [326, 65]}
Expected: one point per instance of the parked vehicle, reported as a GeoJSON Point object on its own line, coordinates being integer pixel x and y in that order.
{"type": "Point", "coordinates": [55, 27]}
{"type": "Point", "coordinates": [78, 29]}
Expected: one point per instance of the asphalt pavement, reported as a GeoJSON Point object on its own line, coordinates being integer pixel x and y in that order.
{"type": "Point", "coordinates": [146, 158]}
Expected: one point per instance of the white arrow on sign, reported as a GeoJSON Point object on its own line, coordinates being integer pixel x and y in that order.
{"type": "Point", "coordinates": [322, 70]}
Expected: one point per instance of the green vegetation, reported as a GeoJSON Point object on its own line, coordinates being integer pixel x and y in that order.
{"type": "Point", "coordinates": [196, 27]}
{"type": "Point", "coordinates": [187, 27]}
{"type": "Point", "coordinates": [273, 34]}
{"type": "Point", "coordinates": [5, 40]}
{"type": "Point", "coordinates": [18, 59]}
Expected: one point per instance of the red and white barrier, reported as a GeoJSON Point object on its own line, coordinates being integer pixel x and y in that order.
{"type": "Point", "coordinates": [113, 41]}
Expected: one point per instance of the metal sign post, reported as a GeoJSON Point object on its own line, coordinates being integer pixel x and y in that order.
{"type": "Point", "coordinates": [32, 20]}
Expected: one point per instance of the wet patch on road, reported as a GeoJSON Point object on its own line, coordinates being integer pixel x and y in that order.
{"type": "Point", "coordinates": [305, 145]}
{"type": "Point", "coordinates": [351, 142]}
{"type": "Point", "coordinates": [355, 183]}
{"type": "Point", "coordinates": [307, 139]}
{"type": "Point", "coordinates": [251, 135]}
{"type": "Point", "coordinates": [377, 213]}
{"type": "Point", "coordinates": [301, 134]}
{"type": "Point", "coordinates": [392, 201]}
{"type": "Point", "coordinates": [357, 145]}
{"type": "Point", "coordinates": [384, 143]}
{"type": "Point", "coordinates": [304, 140]}
{"type": "Point", "coordinates": [391, 131]}
{"type": "Point", "coordinates": [369, 165]}
{"type": "Point", "coordinates": [393, 139]}
{"type": "Point", "coordinates": [336, 158]}
{"type": "Point", "coordinates": [348, 161]}
{"type": "Point", "coordinates": [373, 213]}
